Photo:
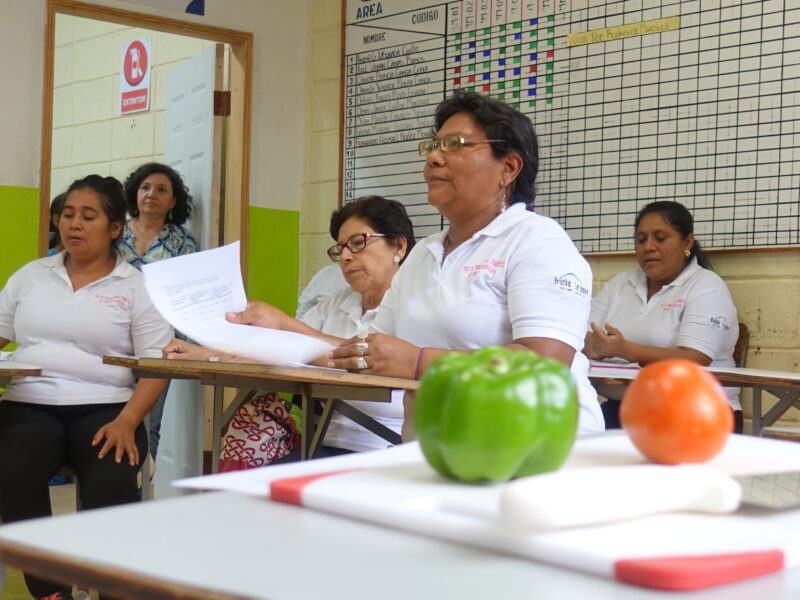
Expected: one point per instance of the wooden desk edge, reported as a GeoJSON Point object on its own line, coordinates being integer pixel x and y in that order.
{"type": "Point", "coordinates": [193, 367]}
{"type": "Point", "coordinates": [112, 581]}
{"type": "Point", "coordinates": [20, 372]}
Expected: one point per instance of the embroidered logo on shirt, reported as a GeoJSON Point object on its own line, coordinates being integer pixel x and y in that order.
{"type": "Point", "coordinates": [122, 301]}
{"type": "Point", "coordinates": [491, 266]}
{"type": "Point", "coordinates": [569, 282]}
{"type": "Point", "coordinates": [668, 306]}
{"type": "Point", "coordinates": [720, 322]}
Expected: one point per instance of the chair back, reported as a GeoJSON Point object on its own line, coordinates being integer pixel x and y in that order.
{"type": "Point", "coordinates": [740, 349]}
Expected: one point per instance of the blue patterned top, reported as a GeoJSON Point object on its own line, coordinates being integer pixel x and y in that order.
{"type": "Point", "coordinates": [174, 240]}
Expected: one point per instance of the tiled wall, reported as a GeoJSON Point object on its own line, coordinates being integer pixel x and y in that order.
{"type": "Point", "coordinates": [89, 134]}
{"type": "Point", "coordinates": [321, 177]}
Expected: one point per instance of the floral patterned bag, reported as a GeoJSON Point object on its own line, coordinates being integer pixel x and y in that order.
{"type": "Point", "coordinates": [261, 431]}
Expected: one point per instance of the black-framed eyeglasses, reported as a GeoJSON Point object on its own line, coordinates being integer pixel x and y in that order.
{"type": "Point", "coordinates": [448, 143]}
{"type": "Point", "coordinates": [356, 243]}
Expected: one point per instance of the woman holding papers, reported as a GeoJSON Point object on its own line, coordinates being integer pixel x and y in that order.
{"type": "Point", "coordinates": [672, 306]}
{"type": "Point", "coordinates": [158, 206]}
{"type": "Point", "coordinates": [373, 236]}
{"type": "Point", "coordinates": [65, 312]}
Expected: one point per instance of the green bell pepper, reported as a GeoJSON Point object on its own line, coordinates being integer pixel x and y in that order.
{"type": "Point", "coordinates": [496, 414]}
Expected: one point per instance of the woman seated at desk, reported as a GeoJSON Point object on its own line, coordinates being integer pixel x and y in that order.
{"type": "Point", "coordinates": [499, 275]}
{"type": "Point", "coordinates": [373, 236]}
{"type": "Point", "coordinates": [672, 306]}
{"type": "Point", "coordinates": [65, 312]}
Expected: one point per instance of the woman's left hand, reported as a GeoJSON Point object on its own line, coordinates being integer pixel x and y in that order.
{"type": "Point", "coordinates": [385, 355]}
{"type": "Point", "coordinates": [604, 344]}
{"type": "Point", "coordinates": [118, 434]}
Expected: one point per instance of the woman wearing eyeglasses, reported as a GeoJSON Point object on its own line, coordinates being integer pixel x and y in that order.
{"type": "Point", "coordinates": [499, 275]}
{"type": "Point", "coordinates": [373, 236]}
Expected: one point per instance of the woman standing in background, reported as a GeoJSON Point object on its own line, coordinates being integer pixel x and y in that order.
{"type": "Point", "coordinates": [158, 206]}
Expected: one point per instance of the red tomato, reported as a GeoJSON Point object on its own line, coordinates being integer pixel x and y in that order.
{"type": "Point", "coordinates": [675, 412]}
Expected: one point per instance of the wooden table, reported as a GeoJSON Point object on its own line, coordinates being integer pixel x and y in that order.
{"type": "Point", "coordinates": [322, 388]}
{"type": "Point", "coordinates": [220, 546]}
{"type": "Point", "coordinates": [785, 386]}
{"type": "Point", "coordinates": [12, 368]}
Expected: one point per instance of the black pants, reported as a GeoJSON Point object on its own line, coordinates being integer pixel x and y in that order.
{"type": "Point", "coordinates": [37, 440]}
{"type": "Point", "coordinates": [610, 410]}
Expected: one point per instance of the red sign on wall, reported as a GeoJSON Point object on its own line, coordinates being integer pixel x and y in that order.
{"type": "Point", "coordinates": [134, 77]}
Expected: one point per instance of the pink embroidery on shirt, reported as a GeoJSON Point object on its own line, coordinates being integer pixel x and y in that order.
{"type": "Point", "coordinates": [491, 266]}
{"type": "Point", "coordinates": [668, 306]}
{"type": "Point", "coordinates": [122, 301]}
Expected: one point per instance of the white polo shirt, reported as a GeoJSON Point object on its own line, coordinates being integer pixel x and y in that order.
{"type": "Point", "coordinates": [67, 332]}
{"type": "Point", "coordinates": [341, 315]}
{"type": "Point", "coordinates": [694, 311]}
{"type": "Point", "coordinates": [520, 276]}
{"type": "Point", "coordinates": [324, 284]}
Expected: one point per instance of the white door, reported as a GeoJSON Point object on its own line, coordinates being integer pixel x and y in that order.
{"type": "Point", "coordinates": [193, 147]}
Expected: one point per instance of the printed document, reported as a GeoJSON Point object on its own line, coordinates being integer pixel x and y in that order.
{"type": "Point", "coordinates": [195, 291]}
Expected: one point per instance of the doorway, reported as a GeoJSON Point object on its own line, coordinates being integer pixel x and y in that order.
{"type": "Point", "coordinates": [109, 25]}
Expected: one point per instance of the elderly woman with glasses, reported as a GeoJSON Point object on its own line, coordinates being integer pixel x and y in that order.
{"type": "Point", "coordinates": [373, 236]}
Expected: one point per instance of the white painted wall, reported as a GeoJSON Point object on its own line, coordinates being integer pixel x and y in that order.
{"type": "Point", "coordinates": [279, 62]}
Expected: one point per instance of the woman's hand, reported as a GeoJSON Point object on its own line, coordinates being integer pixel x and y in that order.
{"type": "Point", "coordinates": [261, 314]}
{"type": "Point", "coordinates": [118, 434]}
{"type": "Point", "coordinates": [601, 344]}
{"type": "Point", "coordinates": [183, 350]}
{"type": "Point", "coordinates": [385, 355]}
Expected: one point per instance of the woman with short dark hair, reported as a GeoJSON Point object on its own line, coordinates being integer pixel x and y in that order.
{"type": "Point", "coordinates": [373, 236]}
{"type": "Point", "coordinates": [159, 204]}
{"type": "Point", "coordinates": [66, 312]}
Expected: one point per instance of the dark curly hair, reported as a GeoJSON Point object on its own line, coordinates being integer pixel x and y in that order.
{"type": "Point", "coordinates": [112, 195]}
{"type": "Point", "coordinates": [385, 216]}
{"type": "Point", "coordinates": [182, 210]}
{"type": "Point", "coordinates": [681, 220]}
{"type": "Point", "coordinates": [500, 122]}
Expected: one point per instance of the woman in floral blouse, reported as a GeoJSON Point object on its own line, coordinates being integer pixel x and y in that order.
{"type": "Point", "coordinates": [158, 206]}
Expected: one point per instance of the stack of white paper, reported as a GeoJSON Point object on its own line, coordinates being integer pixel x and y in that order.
{"type": "Point", "coordinates": [195, 291]}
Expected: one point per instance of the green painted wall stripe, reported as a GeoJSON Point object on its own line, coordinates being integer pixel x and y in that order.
{"type": "Point", "coordinates": [273, 257]}
{"type": "Point", "coordinates": [19, 228]}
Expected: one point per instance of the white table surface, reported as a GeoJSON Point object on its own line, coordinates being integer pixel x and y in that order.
{"type": "Point", "coordinates": [222, 545]}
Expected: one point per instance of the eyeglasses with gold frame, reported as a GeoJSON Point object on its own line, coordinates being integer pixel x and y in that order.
{"type": "Point", "coordinates": [448, 143]}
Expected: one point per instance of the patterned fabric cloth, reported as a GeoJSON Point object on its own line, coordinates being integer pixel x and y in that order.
{"type": "Point", "coordinates": [261, 431]}
{"type": "Point", "coordinates": [174, 240]}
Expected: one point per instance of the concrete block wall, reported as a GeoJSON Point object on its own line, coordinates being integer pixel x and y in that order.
{"type": "Point", "coordinates": [321, 176]}
{"type": "Point", "coordinates": [89, 134]}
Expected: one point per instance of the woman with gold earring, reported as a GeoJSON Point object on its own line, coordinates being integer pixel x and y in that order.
{"type": "Point", "coordinates": [672, 306]}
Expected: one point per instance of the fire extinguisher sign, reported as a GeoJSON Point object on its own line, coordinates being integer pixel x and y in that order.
{"type": "Point", "coordinates": [134, 76]}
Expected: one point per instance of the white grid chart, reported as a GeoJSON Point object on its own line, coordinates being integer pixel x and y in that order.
{"type": "Point", "coordinates": [707, 114]}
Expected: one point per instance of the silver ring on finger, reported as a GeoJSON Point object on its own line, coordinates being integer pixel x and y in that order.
{"type": "Point", "coordinates": [362, 348]}
{"type": "Point", "coordinates": [362, 364]}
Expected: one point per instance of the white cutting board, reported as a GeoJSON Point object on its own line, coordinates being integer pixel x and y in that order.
{"type": "Point", "coordinates": [667, 551]}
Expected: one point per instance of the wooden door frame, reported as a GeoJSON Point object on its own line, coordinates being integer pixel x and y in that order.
{"type": "Point", "coordinates": [237, 153]}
